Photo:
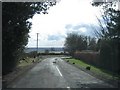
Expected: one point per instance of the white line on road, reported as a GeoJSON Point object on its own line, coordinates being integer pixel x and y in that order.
{"type": "Point", "coordinates": [59, 71]}
{"type": "Point", "coordinates": [68, 87]}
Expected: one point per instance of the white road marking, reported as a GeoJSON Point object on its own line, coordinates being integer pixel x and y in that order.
{"type": "Point", "coordinates": [68, 87]}
{"type": "Point", "coordinates": [59, 71]}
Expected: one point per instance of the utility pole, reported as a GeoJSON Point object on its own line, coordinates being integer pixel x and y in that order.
{"type": "Point", "coordinates": [37, 42]}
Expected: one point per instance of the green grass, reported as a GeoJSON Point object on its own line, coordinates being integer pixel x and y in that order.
{"type": "Point", "coordinates": [27, 61]}
{"type": "Point", "coordinates": [94, 69]}
{"type": "Point", "coordinates": [77, 62]}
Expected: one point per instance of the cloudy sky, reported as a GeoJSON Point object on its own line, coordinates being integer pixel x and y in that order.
{"type": "Point", "coordinates": [66, 16]}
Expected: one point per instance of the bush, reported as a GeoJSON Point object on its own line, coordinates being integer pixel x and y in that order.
{"type": "Point", "coordinates": [32, 54]}
{"type": "Point", "coordinates": [88, 57]}
{"type": "Point", "coordinates": [109, 55]}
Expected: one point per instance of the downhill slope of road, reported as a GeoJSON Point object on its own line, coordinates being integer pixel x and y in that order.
{"type": "Point", "coordinates": [56, 73]}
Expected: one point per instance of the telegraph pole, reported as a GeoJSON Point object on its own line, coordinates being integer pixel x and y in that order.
{"type": "Point", "coordinates": [37, 42]}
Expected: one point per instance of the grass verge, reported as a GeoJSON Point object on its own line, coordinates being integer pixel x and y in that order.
{"type": "Point", "coordinates": [23, 66]}
{"type": "Point", "coordinates": [28, 61]}
{"type": "Point", "coordinates": [93, 69]}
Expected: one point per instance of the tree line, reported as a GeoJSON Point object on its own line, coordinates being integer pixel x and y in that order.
{"type": "Point", "coordinates": [108, 38]}
{"type": "Point", "coordinates": [15, 29]}
{"type": "Point", "coordinates": [76, 42]}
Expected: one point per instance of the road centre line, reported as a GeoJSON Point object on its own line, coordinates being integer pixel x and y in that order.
{"type": "Point", "coordinates": [68, 87]}
{"type": "Point", "coordinates": [59, 71]}
{"type": "Point", "coordinates": [61, 76]}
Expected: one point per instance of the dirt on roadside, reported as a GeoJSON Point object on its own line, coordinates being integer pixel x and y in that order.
{"type": "Point", "coordinates": [19, 70]}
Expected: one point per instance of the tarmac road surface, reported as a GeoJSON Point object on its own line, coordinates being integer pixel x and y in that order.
{"type": "Point", "coordinates": [56, 73]}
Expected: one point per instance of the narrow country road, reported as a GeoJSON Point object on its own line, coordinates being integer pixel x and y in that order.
{"type": "Point", "coordinates": [48, 74]}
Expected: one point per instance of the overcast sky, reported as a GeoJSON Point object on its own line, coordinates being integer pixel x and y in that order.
{"type": "Point", "coordinates": [65, 17]}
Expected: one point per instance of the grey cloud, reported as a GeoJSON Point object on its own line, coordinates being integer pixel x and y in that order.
{"type": "Point", "coordinates": [89, 27]}
{"type": "Point", "coordinates": [77, 27]}
{"type": "Point", "coordinates": [68, 26]}
{"type": "Point", "coordinates": [55, 37]}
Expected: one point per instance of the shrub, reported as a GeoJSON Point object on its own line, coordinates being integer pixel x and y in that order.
{"type": "Point", "coordinates": [88, 57]}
